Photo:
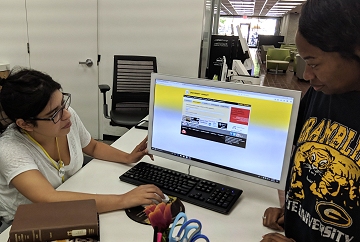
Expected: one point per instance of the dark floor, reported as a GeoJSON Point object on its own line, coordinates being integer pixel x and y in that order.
{"type": "Point", "coordinates": [284, 80]}
{"type": "Point", "coordinates": [281, 80]}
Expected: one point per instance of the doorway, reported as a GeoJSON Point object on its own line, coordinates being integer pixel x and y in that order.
{"type": "Point", "coordinates": [245, 30]}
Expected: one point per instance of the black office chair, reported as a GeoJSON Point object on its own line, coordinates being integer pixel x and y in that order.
{"type": "Point", "coordinates": [87, 159]}
{"type": "Point", "coordinates": [3, 226]}
{"type": "Point", "coordinates": [131, 90]}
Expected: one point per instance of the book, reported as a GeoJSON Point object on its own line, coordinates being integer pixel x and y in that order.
{"type": "Point", "coordinates": [55, 221]}
{"type": "Point", "coordinates": [76, 240]}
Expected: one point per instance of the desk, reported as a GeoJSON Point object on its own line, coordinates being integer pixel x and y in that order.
{"type": "Point", "coordinates": [244, 221]}
{"type": "Point", "coordinates": [277, 62]}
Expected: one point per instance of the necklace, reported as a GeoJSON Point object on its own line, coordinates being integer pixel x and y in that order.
{"type": "Point", "coordinates": [58, 165]}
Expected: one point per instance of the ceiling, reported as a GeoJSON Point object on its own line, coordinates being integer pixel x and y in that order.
{"type": "Point", "coordinates": [269, 8]}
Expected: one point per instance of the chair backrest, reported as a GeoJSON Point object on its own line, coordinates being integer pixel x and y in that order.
{"type": "Point", "coordinates": [131, 79]}
{"type": "Point", "coordinates": [284, 46]}
{"type": "Point", "coordinates": [266, 47]}
{"type": "Point", "coordinates": [278, 54]}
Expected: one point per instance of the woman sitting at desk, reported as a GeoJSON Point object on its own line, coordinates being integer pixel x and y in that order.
{"type": "Point", "coordinates": [44, 147]}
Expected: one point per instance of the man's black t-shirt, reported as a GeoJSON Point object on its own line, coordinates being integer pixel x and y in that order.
{"type": "Point", "coordinates": [323, 192]}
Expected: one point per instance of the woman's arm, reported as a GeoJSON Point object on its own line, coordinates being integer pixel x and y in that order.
{"type": "Point", "coordinates": [34, 186]}
{"type": "Point", "coordinates": [104, 151]}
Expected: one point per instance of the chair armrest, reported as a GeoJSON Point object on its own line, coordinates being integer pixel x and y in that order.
{"type": "Point", "coordinates": [287, 58]}
{"type": "Point", "coordinates": [104, 88]}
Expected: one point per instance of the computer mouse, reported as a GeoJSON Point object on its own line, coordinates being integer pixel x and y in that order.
{"type": "Point", "coordinates": [165, 200]}
{"type": "Point", "coordinates": [156, 202]}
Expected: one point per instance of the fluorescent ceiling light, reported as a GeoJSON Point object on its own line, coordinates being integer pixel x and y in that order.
{"type": "Point", "coordinates": [237, 2]}
{"type": "Point", "coordinates": [283, 7]}
{"type": "Point", "coordinates": [288, 4]}
{"type": "Point", "coordinates": [247, 7]}
{"type": "Point", "coordinates": [243, 8]}
{"type": "Point", "coordinates": [277, 12]}
{"type": "Point", "coordinates": [241, 3]}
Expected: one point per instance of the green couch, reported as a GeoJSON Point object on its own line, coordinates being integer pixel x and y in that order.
{"type": "Point", "coordinates": [285, 46]}
{"type": "Point", "coordinates": [293, 50]}
{"type": "Point", "coordinates": [277, 54]}
{"type": "Point", "coordinates": [263, 51]}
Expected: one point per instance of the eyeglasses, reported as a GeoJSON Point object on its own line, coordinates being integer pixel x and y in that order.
{"type": "Point", "coordinates": [59, 113]}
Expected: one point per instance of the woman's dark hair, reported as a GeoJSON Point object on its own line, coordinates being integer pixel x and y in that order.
{"type": "Point", "coordinates": [25, 93]}
{"type": "Point", "coordinates": [332, 25]}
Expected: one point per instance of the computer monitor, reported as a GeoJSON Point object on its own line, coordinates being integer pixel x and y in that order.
{"type": "Point", "coordinates": [248, 62]}
{"type": "Point", "coordinates": [244, 131]}
{"type": "Point", "coordinates": [239, 68]}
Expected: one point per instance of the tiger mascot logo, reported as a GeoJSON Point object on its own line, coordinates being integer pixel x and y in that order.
{"type": "Point", "coordinates": [328, 172]}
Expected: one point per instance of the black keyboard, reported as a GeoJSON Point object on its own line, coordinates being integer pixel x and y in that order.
{"type": "Point", "coordinates": [195, 190]}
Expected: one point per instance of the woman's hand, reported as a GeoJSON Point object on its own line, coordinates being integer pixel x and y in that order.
{"type": "Point", "coordinates": [139, 152]}
{"type": "Point", "coordinates": [142, 195]}
{"type": "Point", "coordinates": [274, 218]}
{"type": "Point", "coordinates": [276, 237]}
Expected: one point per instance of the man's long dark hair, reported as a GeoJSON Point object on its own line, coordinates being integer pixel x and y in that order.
{"type": "Point", "coordinates": [332, 25]}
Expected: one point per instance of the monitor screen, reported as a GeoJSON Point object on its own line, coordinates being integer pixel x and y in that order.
{"type": "Point", "coordinates": [244, 131]}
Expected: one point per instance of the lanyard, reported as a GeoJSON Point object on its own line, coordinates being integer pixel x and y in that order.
{"type": "Point", "coordinates": [60, 165]}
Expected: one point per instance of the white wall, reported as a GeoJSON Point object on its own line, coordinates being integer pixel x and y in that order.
{"type": "Point", "coordinates": [289, 27]}
{"type": "Point", "coordinates": [284, 26]}
{"type": "Point", "coordinates": [13, 37]}
{"type": "Point", "coordinates": [171, 30]}
{"type": "Point", "coordinates": [292, 28]}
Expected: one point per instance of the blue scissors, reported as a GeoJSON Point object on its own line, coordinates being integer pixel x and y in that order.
{"type": "Point", "coordinates": [189, 231]}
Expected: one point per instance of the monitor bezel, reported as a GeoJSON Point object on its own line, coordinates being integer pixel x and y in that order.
{"type": "Point", "coordinates": [296, 95]}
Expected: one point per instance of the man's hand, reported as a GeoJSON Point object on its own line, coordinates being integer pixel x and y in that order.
{"type": "Point", "coordinates": [274, 218]}
{"type": "Point", "coordinates": [276, 237]}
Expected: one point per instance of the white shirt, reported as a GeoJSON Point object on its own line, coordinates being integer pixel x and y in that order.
{"type": "Point", "coordinates": [19, 154]}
